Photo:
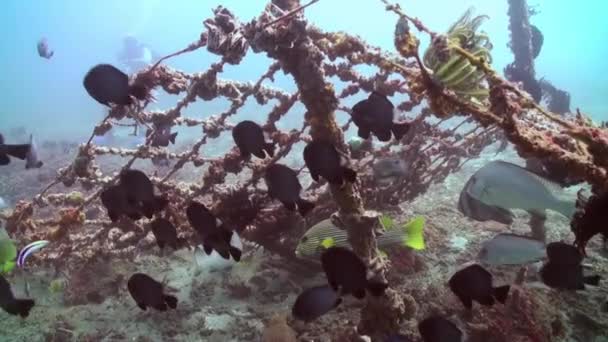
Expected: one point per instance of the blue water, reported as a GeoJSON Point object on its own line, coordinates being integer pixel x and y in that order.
{"type": "Point", "coordinates": [47, 96]}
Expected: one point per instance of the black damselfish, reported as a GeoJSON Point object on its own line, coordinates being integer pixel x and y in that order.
{"type": "Point", "coordinates": [165, 233]}
{"type": "Point", "coordinates": [474, 283]}
{"type": "Point", "coordinates": [140, 192]}
{"type": "Point", "coordinates": [133, 197]}
{"type": "Point", "coordinates": [107, 84]}
{"type": "Point", "coordinates": [315, 302]}
{"type": "Point", "coordinates": [148, 292]}
{"type": "Point", "coordinates": [283, 184]}
{"type": "Point", "coordinates": [162, 136]}
{"type": "Point", "coordinates": [322, 159]}
{"type": "Point", "coordinates": [439, 329]}
{"type": "Point", "coordinates": [376, 115]}
{"type": "Point", "coordinates": [249, 138]}
{"type": "Point", "coordinates": [563, 270]}
{"type": "Point", "coordinates": [212, 232]}
{"type": "Point", "coordinates": [347, 273]}
{"type": "Point", "coordinates": [10, 304]}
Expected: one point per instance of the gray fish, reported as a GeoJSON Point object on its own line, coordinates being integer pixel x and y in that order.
{"type": "Point", "coordinates": [31, 158]}
{"type": "Point", "coordinates": [475, 209]}
{"type": "Point", "coordinates": [508, 186]}
{"type": "Point", "coordinates": [511, 249]}
{"type": "Point", "coordinates": [43, 49]}
{"type": "Point", "coordinates": [389, 169]}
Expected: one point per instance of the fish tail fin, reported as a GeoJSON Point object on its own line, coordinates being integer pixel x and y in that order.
{"type": "Point", "coordinates": [18, 151]}
{"type": "Point", "coordinates": [349, 174]}
{"type": "Point", "coordinates": [235, 253]}
{"type": "Point", "coordinates": [501, 293]}
{"type": "Point", "coordinates": [51, 54]}
{"type": "Point", "coordinates": [413, 233]}
{"type": "Point", "coordinates": [172, 138]}
{"type": "Point", "coordinates": [400, 129]}
{"type": "Point", "coordinates": [376, 288]}
{"type": "Point", "coordinates": [304, 206]}
{"type": "Point", "coordinates": [171, 301]}
{"type": "Point", "coordinates": [20, 307]}
{"type": "Point", "coordinates": [269, 148]}
{"type": "Point", "coordinates": [592, 280]}
{"type": "Point", "coordinates": [566, 208]}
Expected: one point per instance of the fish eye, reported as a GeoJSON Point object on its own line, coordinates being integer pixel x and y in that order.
{"type": "Point", "coordinates": [304, 239]}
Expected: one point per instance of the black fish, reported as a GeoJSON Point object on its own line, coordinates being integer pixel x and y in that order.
{"type": "Point", "coordinates": [563, 270]}
{"type": "Point", "coordinates": [10, 304]}
{"type": "Point", "coordinates": [18, 151]}
{"type": "Point", "coordinates": [106, 84]}
{"type": "Point", "coordinates": [347, 273]}
{"type": "Point", "coordinates": [147, 292]}
{"type": "Point", "coordinates": [439, 329]}
{"type": "Point", "coordinates": [322, 159]}
{"type": "Point", "coordinates": [114, 199]}
{"type": "Point", "coordinates": [561, 253]}
{"type": "Point", "coordinates": [376, 115]}
{"type": "Point", "coordinates": [162, 136]}
{"type": "Point", "coordinates": [140, 192]}
{"type": "Point", "coordinates": [249, 138]}
{"type": "Point", "coordinates": [315, 302]}
{"type": "Point", "coordinates": [566, 277]}
{"type": "Point", "coordinates": [475, 283]}
{"type": "Point", "coordinates": [283, 184]}
{"type": "Point", "coordinates": [475, 209]}
{"type": "Point", "coordinates": [212, 232]}
{"type": "Point", "coordinates": [165, 233]}
{"type": "Point", "coordinates": [43, 49]}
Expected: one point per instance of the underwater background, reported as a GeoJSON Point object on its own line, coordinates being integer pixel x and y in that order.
{"type": "Point", "coordinates": [225, 301]}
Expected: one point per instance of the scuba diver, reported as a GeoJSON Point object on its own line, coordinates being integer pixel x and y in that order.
{"type": "Point", "coordinates": [136, 55]}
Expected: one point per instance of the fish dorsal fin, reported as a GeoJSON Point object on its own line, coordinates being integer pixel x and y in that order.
{"type": "Point", "coordinates": [553, 187]}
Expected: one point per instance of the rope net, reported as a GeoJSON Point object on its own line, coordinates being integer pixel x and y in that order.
{"type": "Point", "coordinates": [447, 130]}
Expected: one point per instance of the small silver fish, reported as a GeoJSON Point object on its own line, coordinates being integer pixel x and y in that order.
{"type": "Point", "coordinates": [31, 159]}
{"type": "Point", "coordinates": [512, 249]}
{"type": "Point", "coordinates": [3, 203]}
